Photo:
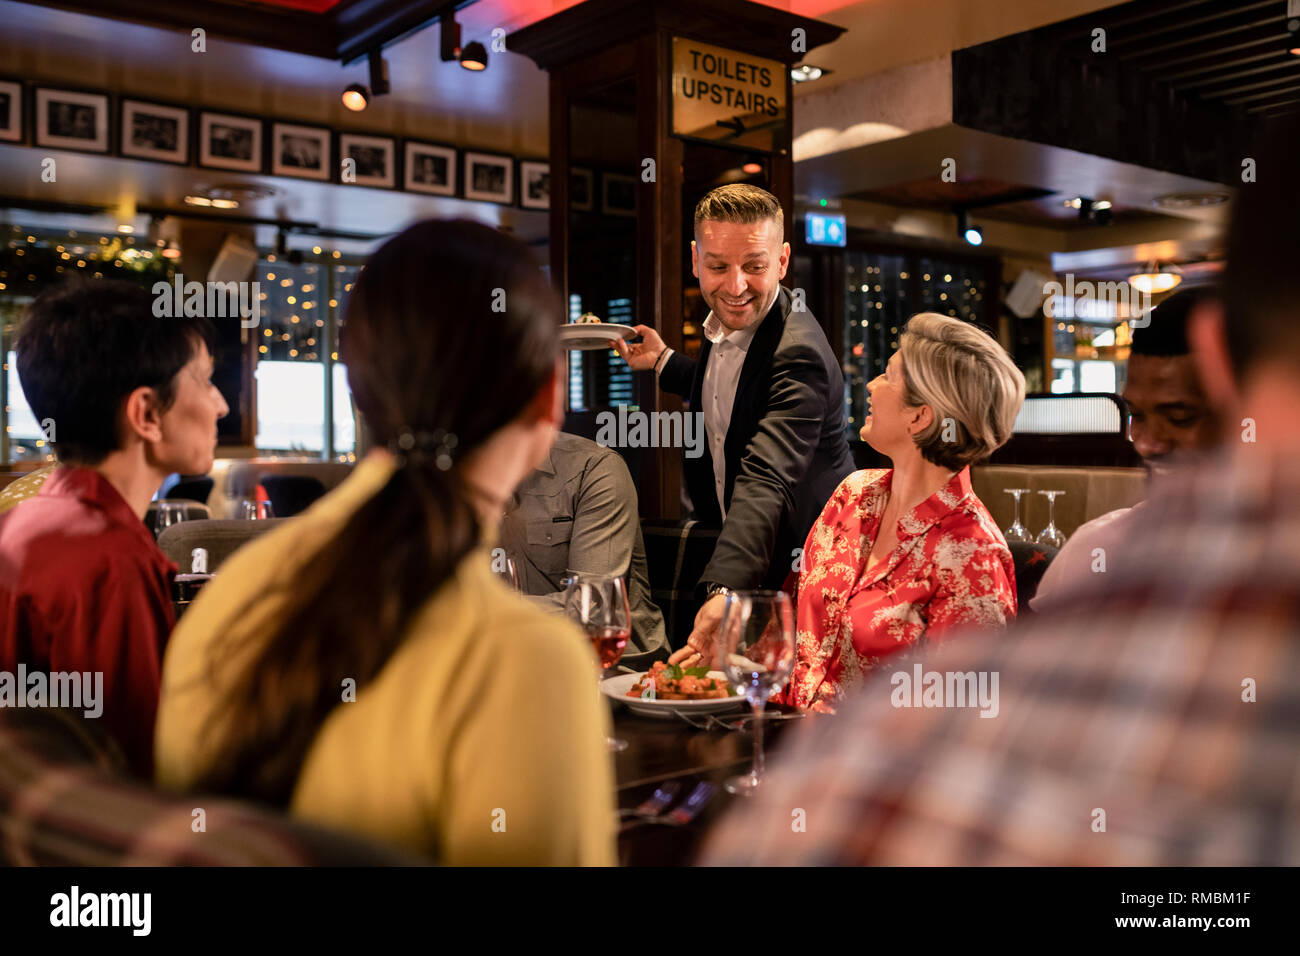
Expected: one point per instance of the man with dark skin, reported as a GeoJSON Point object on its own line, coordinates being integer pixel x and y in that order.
{"type": "Point", "coordinates": [1171, 421]}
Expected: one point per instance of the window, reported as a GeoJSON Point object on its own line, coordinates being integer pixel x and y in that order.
{"type": "Point", "coordinates": [298, 373]}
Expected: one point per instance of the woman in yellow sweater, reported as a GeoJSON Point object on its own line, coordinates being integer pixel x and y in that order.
{"type": "Point", "coordinates": [361, 665]}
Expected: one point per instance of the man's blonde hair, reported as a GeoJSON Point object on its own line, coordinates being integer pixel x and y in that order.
{"type": "Point", "coordinates": [970, 383]}
{"type": "Point", "coordinates": [739, 203]}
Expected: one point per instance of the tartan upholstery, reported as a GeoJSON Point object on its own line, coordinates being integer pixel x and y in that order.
{"type": "Point", "coordinates": [65, 801]}
{"type": "Point", "coordinates": [677, 553]}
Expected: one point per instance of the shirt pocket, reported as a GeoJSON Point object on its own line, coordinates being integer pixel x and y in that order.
{"type": "Point", "coordinates": [548, 545]}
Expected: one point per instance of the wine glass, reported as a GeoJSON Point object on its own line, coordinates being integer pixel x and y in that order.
{"type": "Point", "coordinates": [1051, 534]}
{"type": "Point", "coordinates": [1017, 531]}
{"type": "Point", "coordinates": [252, 510]}
{"type": "Point", "coordinates": [504, 567]}
{"type": "Point", "coordinates": [598, 603]}
{"type": "Point", "coordinates": [756, 651]}
{"type": "Point", "coordinates": [169, 513]}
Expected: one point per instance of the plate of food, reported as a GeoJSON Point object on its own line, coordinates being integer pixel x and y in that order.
{"type": "Point", "coordinates": [667, 690]}
{"type": "Point", "coordinates": [589, 333]}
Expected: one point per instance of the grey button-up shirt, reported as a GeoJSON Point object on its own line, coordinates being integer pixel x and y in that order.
{"type": "Point", "coordinates": [578, 512]}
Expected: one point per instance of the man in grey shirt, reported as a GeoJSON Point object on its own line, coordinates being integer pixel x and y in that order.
{"type": "Point", "coordinates": [578, 512]}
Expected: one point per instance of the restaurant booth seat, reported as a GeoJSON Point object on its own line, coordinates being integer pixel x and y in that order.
{"type": "Point", "coordinates": [192, 488]}
{"type": "Point", "coordinates": [221, 537]}
{"type": "Point", "coordinates": [1089, 493]}
{"type": "Point", "coordinates": [292, 494]}
{"type": "Point", "coordinates": [66, 800]}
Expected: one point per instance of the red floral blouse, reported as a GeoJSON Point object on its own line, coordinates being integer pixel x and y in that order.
{"type": "Point", "coordinates": [951, 570]}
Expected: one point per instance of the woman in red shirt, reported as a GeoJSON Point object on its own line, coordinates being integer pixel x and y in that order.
{"type": "Point", "coordinates": [910, 552]}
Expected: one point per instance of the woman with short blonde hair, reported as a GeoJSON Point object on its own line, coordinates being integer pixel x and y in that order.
{"type": "Point", "coordinates": [910, 552]}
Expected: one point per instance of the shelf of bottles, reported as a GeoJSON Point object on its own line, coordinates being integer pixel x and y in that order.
{"type": "Point", "coordinates": [875, 309]}
{"type": "Point", "coordinates": [882, 291]}
{"type": "Point", "coordinates": [599, 378]}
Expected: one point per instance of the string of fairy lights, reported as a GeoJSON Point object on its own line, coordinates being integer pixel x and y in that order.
{"type": "Point", "coordinates": [290, 296]}
{"type": "Point", "coordinates": [299, 292]}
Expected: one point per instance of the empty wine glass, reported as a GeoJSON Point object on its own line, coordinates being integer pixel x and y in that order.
{"type": "Point", "coordinates": [598, 604]}
{"type": "Point", "coordinates": [756, 651]}
{"type": "Point", "coordinates": [504, 567]}
{"type": "Point", "coordinates": [1051, 534]}
{"type": "Point", "coordinates": [252, 510]}
{"type": "Point", "coordinates": [1017, 531]}
{"type": "Point", "coordinates": [169, 513]}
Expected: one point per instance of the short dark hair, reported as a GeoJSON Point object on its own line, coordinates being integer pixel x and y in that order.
{"type": "Point", "coordinates": [85, 345]}
{"type": "Point", "coordinates": [739, 203]}
{"type": "Point", "coordinates": [1165, 334]}
{"type": "Point", "coordinates": [1261, 293]}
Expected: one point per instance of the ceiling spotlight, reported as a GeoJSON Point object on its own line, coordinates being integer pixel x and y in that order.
{"type": "Point", "coordinates": [806, 72]}
{"type": "Point", "coordinates": [972, 234]}
{"type": "Point", "coordinates": [356, 97]}
{"type": "Point", "coordinates": [474, 57]}
{"type": "Point", "coordinates": [753, 169]}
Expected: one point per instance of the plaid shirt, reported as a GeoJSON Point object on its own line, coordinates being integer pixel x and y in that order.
{"type": "Point", "coordinates": [65, 801]}
{"type": "Point", "coordinates": [1161, 702]}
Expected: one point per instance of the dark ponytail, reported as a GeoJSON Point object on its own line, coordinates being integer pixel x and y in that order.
{"type": "Point", "coordinates": [451, 330]}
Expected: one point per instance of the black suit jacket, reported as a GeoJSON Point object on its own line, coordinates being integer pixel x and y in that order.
{"type": "Point", "coordinates": [786, 449]}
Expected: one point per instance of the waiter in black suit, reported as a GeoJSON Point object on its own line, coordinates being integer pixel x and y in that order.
{"type": "Point", "coordinates": [771, 394]}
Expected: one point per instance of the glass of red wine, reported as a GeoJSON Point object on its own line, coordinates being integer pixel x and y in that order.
{"type": "Point", "coordinates": [598, 604]}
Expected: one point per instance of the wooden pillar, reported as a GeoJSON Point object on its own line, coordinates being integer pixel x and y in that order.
{"type": "Point", "coordinates": [619, 54]}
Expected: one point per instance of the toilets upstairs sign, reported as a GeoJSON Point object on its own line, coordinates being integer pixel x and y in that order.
{"type": "Point", "coordinates": [725, 95]}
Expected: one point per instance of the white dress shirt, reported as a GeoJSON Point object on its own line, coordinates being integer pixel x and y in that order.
{"type": "Point", "coordinates": [718, 391]}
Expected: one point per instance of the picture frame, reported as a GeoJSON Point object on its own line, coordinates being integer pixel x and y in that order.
{"type": "Point", "coordinates": [375, 158]}
{"type": "Point", "coordinates": [302, 152]}
{"type": "Point", "coordinates": [582, 189]}
{"type": "Point", "coordinates": [617, 194]}
{"type": "Point", "coordinates": [490, 177]}
{"type": "Point", "coordinates": [71, 119]}
{"type": "Point", "coordinates": [154, 131]}
{"type": "Point", "coordinates": [230, 141]}
{"type": "Point", "coordinates": [534, 184]}
{"type": "Point", "coordinates": [13, 112]}
{"type": "Point", "coordinates": [429, 168]}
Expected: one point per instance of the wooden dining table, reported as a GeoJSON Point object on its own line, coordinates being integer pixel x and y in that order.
{"type": "Point", "coordinates": [671, 750]}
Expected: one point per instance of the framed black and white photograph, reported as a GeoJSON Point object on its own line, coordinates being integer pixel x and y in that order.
{"type": "Point", "coordinates": [429, 168]}
{"type": "Point", "coordinates": [302, 151]}
{"type": "Point", "coordinates": [618, 194]}
{"type": "Point", "coordinates": [227, 141]}
{"type": "Point", "coordinates": [581, 189]}
{"type": "Point", "coordinates": [373, 160]}
{"type": "Point", "coordinates": [490, 177]}
{"type": "Point", "coordinates": [534, 184]}
{"type": "Point", "coordinates": [155, 131]}
{"type": "Point", "coordinates": [11, 111]}
{"type": "Point", "coordinates": [70, 120]}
